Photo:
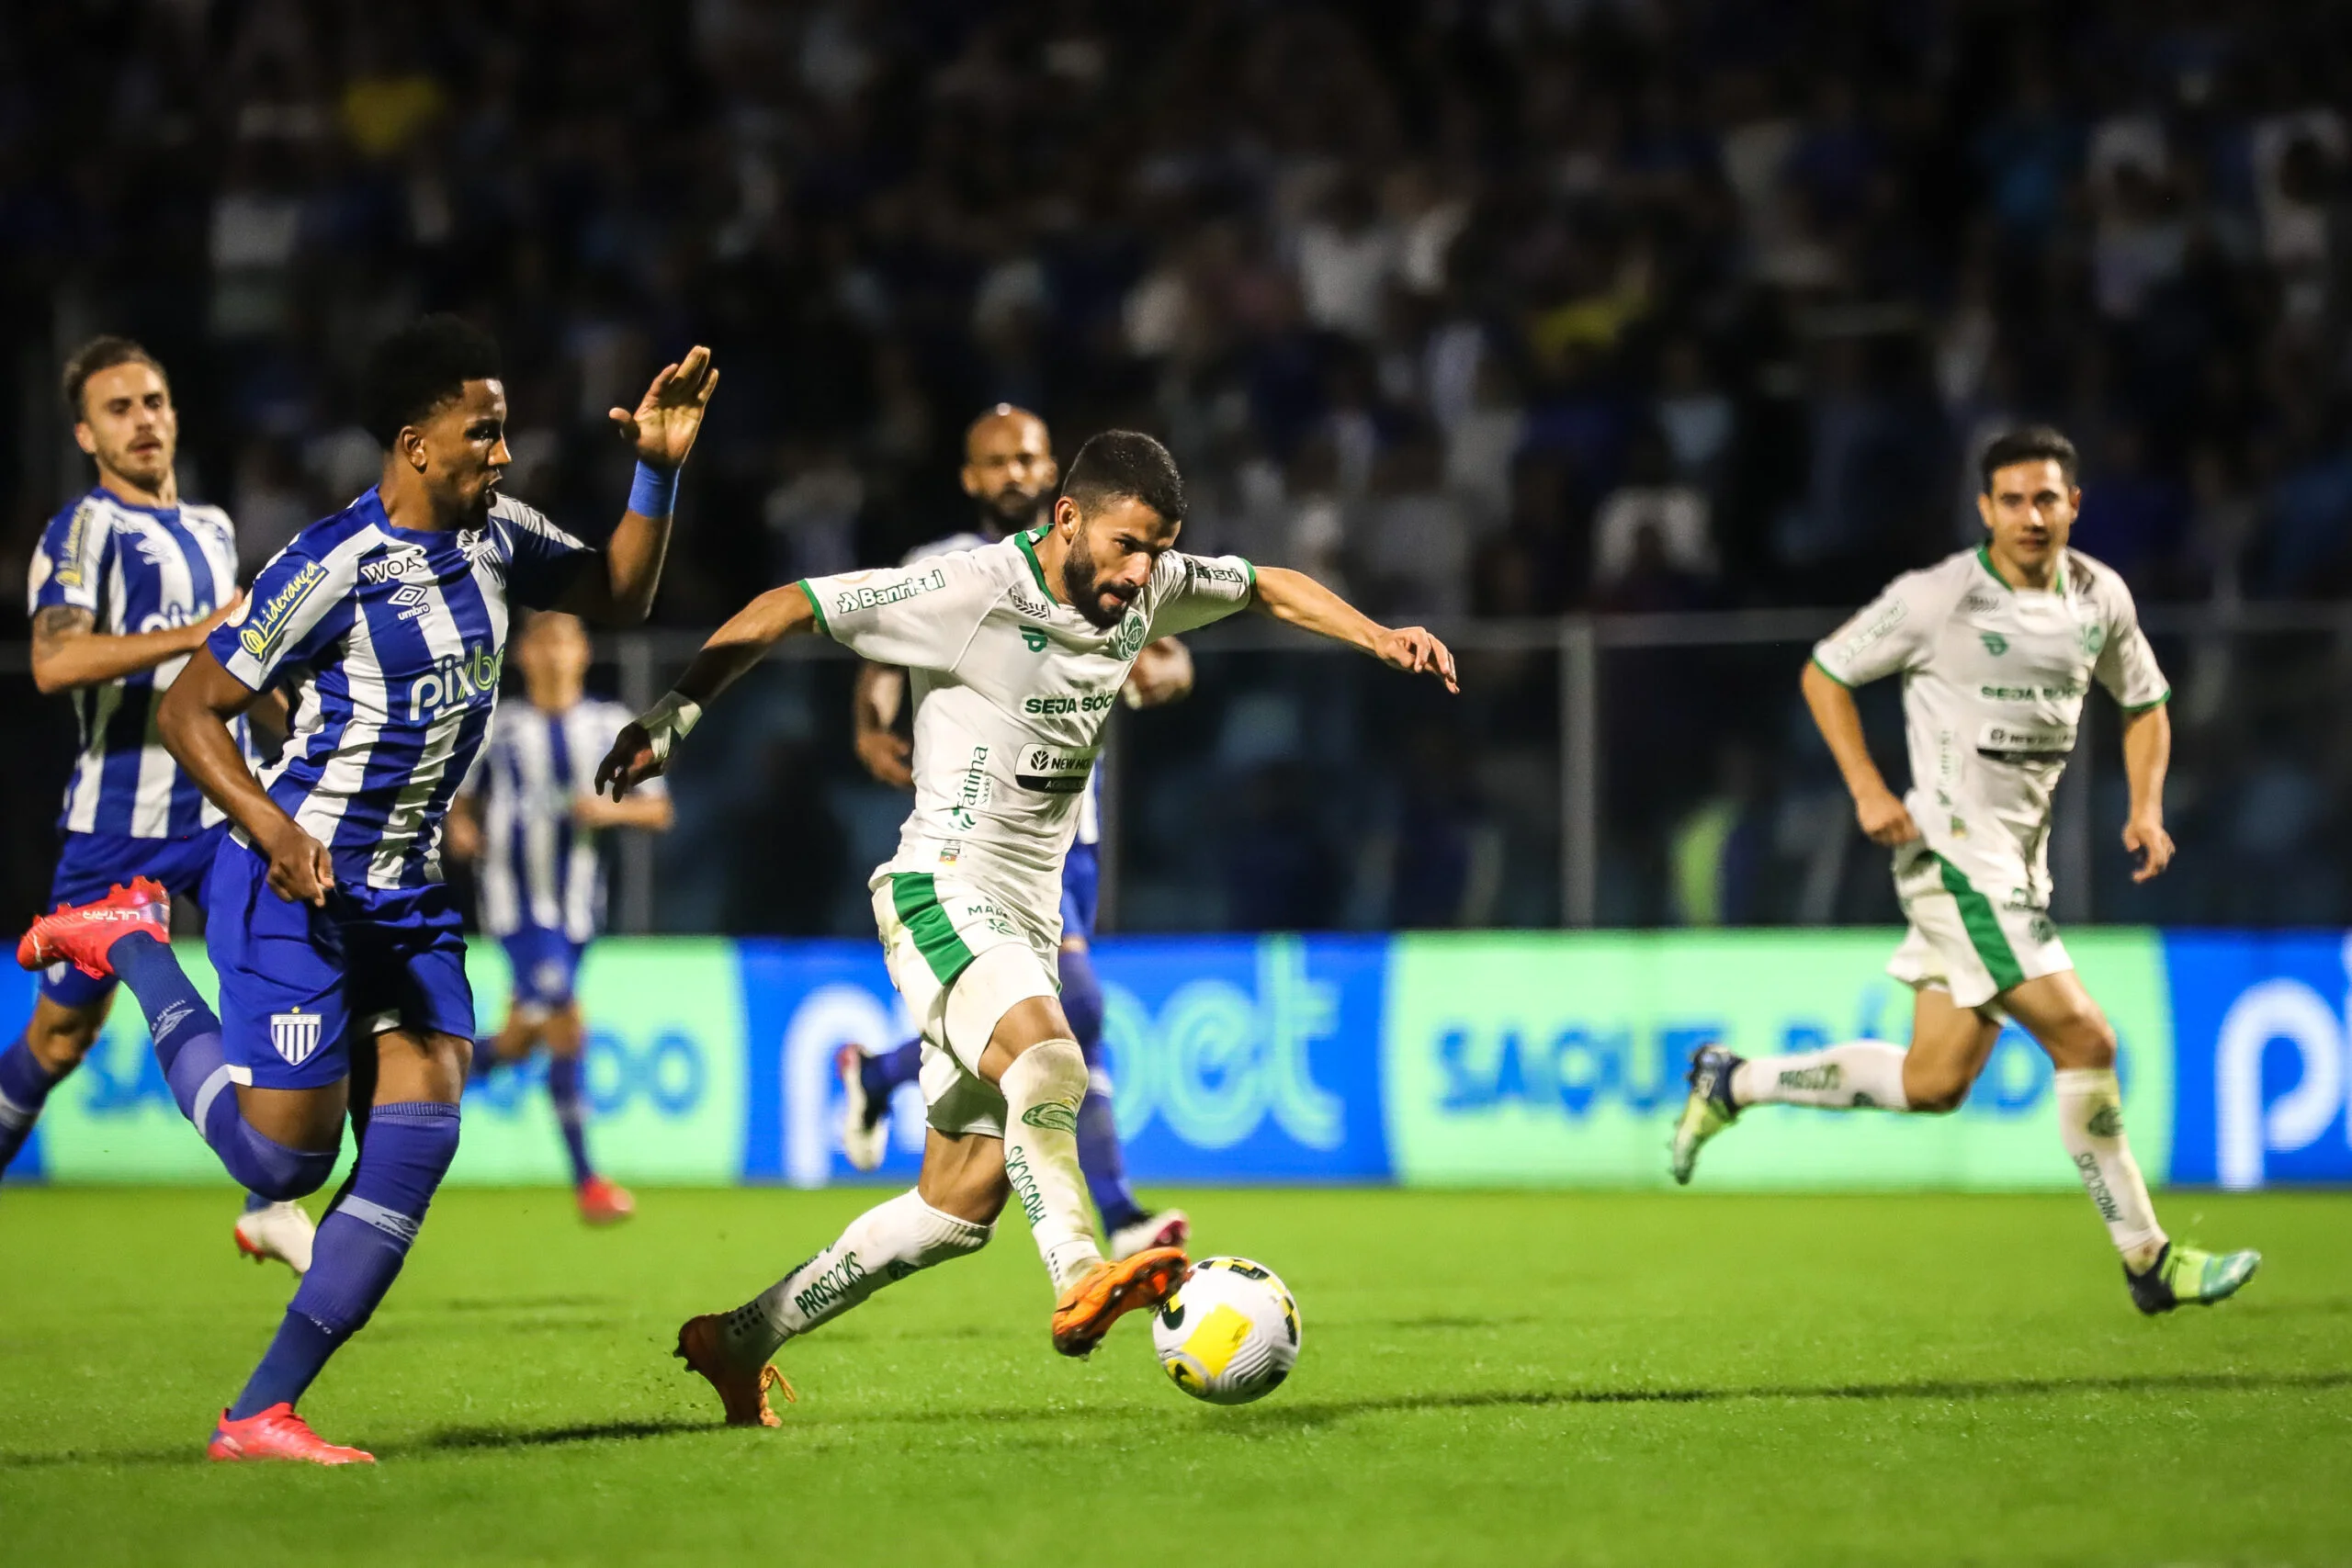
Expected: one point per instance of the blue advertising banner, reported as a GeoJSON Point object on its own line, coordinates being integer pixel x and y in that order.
{"type": "Point", "coordinates": [2261, 1043]}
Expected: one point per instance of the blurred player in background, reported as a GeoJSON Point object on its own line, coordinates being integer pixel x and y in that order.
{"type": "Point", "coordinates": [126, 583]}
{"type": "Point", "coordinates": [528, 818]}
{"type": "Point", "coordinates": [1009, 470]}
{"type": "Point", "coordinates": [1018, 650]}
{"type": "Point", "coordinates": [340, 949]}
{"type": "Point", "coordinates": [1998, 648]}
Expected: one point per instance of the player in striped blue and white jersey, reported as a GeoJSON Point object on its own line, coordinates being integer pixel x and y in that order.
{"type": "Point", "coordinates": [339, 946]}
{"type": "Point", "coordinates": [125, 584]}
{"type": "Point", "coordinates": [528, 818]}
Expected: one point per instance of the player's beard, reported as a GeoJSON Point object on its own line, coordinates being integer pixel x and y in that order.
{"type": "Point", "coordinates": [1082, 584]}
{"type": "Point", "coordinates": [1012, 508]}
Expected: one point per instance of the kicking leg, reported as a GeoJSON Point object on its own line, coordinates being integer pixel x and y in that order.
{"type": "Point", "coordinates": [1949, 1045]}
{"type": "Point", "coordinates": [51, 1046]}
{"type": "Point", "coordinates": [412, 1137]}
{"type": "Point", "coordinates": [1128, 1225]}
{"type": "Point", "coordinates": [951, 1211]}
{"type": "Point", "coordinates": [2058, 1013]}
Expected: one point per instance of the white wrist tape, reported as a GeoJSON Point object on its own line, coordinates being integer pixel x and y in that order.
{"type": "Point", "coordinates": [670, 721]}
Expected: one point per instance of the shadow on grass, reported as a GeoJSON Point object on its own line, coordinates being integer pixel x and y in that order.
{"type": "Point", "coordinates": [460, 1438]}
{"type": "Point", "coordinates": [1937, 1390]}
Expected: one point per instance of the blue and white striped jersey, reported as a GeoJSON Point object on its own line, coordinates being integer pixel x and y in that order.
{"type": "Point", "coordinates": [1090, 810]}
{"type": "Point", "coordinates": [538, 867]}
{"type": "Point", "coordinates": [135, 569]}
{"type": "Point", "coordinates": [389, 642]}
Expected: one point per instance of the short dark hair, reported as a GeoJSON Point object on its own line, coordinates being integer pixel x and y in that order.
{"type": "Point", "coordinates": [2031, 443]}
{"type": "Point", "coordinates": [101, 354]}
{"type": "Point", "coordinates": [1126, 463]}
{"type": "Point", "coordinates": [420, 367]}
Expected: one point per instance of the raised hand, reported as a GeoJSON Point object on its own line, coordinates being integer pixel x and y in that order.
{"type": "Point", "coordinates": [669, 416]}
{"type": "Point", "coordinates": [1417, 651]}
{"type": "Point", "coordinates": [630, 762]}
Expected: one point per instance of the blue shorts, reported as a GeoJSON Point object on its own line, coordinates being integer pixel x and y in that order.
{"type": "Point", "coordinates": [1082, 890]}
{"type": "Point", "coordinates": [89, 863]}
{"type": "Point", "coordinates": [545, 962]}
{"type": "Point", "coordinates": [301, 985]}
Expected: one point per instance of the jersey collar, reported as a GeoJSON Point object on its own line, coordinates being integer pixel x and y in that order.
{"type": "Point", "coordinates": [2061, 578]}
{"type": "Point", "coordinates": [1027, 539]}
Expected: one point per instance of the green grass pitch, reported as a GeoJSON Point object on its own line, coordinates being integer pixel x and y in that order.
{"type": "Point", "coordinates": [1519, 1379]}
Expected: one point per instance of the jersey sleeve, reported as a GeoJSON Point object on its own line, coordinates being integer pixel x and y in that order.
{"type": "Point", "coordinates": [69, 563]}
{"type": "Point", "coordinates": [298, 606]}
{"type": "Point", "coordinates": [1200, 590]}
{"type": "Point", "coordinates": [920, 616]}
{"type": "Point", "coordinates": [2127, 664]}
{"type": "Point", "coordinates": [1891, 633]}
{"type": "Point", "coordinates": [546, 559]}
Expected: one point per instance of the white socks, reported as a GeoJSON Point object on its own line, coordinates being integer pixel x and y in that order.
{"type": "Point", "coordinates": [881, 1246]}
{"type": "Point", "coordinates": [1042, 1091]}
{"type": "Point", "coordinates": [2090, 1120]}
{"type": "Point", "coordinates": [1858, 1074]}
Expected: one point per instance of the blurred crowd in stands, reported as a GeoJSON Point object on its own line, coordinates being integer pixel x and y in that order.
{"type": "Point", "coordinates": [1495, 306]}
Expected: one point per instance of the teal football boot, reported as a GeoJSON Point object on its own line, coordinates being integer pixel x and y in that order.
{"type": "Point", "coordinates": [1708, 1110]}
{"type": "Point", "coordinates": [2184, 1276]}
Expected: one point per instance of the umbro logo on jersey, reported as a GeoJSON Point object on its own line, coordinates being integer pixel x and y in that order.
{"type": "Point", "coordinates": [1021, 602]}
{"type": "Point", "coordinates": [406, 564]}
{"type": "Point", "coordinates": [1994, 643]}
{"type": "Point", "coordinates": [1035, 638]}
{"type": "Point", "coordinates": [295, 1035]}
{"type": "Point", "coordinates": [1980, 604]}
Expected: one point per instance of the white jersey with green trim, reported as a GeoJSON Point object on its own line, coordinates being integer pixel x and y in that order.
{"type": "Point", "coordinates": [1012, 689]}
{"type": "Point", "coordinates": [1994, 679]}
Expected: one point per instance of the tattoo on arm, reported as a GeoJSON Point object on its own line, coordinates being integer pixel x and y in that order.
{"type": "Point", "coordinates": [55, 623]}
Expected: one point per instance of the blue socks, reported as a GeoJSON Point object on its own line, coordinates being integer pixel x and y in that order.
{"type": "Point", "coordinates": [362, 1243]}
{"type": "Point", "coordinates": [882, 1075]}
{"type": "Point", "coordinates": [570, 1112]}
{"type": "Point", "coordinates": [24, 1089]}
{"type": "Point", "coordinates": [1098, 1130]}
{"type": "Point", "coordinates": [187, 1045]}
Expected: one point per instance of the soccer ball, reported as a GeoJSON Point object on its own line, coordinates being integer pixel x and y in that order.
{"type": "Point", "coordinates": [1229, 1334]}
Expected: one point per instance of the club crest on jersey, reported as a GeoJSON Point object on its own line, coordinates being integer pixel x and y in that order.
{"type": "Point", "coordinates": [2094, 639]}
{"type": "Point", "coordinates": [266, 624]}
{"type": "Point", "coordinates": [1128, 640]}
{"type": "Point", "coordinates": [295, 1035]}
{"type": "Point", "coordinates": [457, 680]}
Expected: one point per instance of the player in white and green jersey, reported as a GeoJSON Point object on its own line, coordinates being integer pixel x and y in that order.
{"type": "Point", "coordinates": [1997, 648]}
{"type": "Point", "coordinates": [1017, 651]}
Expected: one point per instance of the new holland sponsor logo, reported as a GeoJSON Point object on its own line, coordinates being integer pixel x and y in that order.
{"type": "Point", "coordinates": [853, 600]}
{"type": "Point", "coordinates": [457, 680]}
{"type": "Point", "coordinates": [294, 1035]}
{"type": "Point", "coordinates": [264, 625]}
{"type": "Point", "coordinates": [1052, 769]}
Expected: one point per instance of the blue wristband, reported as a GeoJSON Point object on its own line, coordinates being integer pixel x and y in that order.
{"type": "Point", "coordinates": [654, 494]}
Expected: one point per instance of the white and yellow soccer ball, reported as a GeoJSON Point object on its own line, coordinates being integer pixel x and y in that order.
{"type": "Point", "coordinates": [1229, 1334]}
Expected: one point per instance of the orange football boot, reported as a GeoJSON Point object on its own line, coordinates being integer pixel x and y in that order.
{"type": "Point", "coordinates": [80, 933]}
{"type": "Point", "coordinates": [743, 1391]}
{"type": "Point", "coordinates": [278, 1433]}
{"type": "Point", "coordinates": [603, 1202]}
{"type": "Point", "coordinates": [1108, 1292]}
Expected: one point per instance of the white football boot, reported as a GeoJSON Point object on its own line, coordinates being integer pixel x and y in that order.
{"type": "Point", "coordinates": [866, 1127]}
{"type": "Point", "coordinates": [1169, 1227]}
{"type": "Point", "coordinates": [282, 1230]}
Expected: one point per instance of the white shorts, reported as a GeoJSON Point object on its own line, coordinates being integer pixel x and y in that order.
{"type": "Point", "coordinates": [1974, 944]}
{"type": "Point", "coordinates": [961, 959]}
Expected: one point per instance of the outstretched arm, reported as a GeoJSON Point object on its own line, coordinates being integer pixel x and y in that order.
{"type": "Point", "coordinates": [2147, 754]}
{"type": "Point", "coordinates": [662, 429]}
{"type": "Point", "coordinates": [194, 722]}
{"type": "Point", "coordinates": [1879, 810]}
{"type": "Point", "coordinates": [1294, 597]}
{"type": "Point", "coordinates": [643, 747]}
{"type": "Point", "coordinates": [68, 653]}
